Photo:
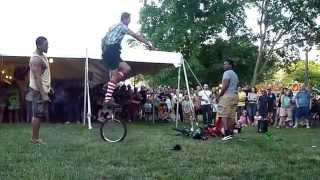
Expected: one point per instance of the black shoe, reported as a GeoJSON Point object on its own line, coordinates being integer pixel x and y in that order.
{"type": "Point", "coordinates": [177, 147]}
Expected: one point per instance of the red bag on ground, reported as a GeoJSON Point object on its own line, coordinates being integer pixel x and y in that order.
{"type": "Point", "coordinates": [215, 130]}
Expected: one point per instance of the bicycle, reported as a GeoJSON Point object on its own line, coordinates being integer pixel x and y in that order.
{"type": "Point", "coordinates": [112, 129]}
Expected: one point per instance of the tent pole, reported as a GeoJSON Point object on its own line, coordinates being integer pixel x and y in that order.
{"type": "Point", "coordinates": [187, 85]}
{"type": "Point", "coordinates": [178, 97]}
{"type": "Point", "coordinates": [85, 94]}
{"type": "Point", "coordinates": [89, 109]}
{"type": "Point", "coordinates": [88, 91]}
{"type": "Point", "coordinates": [195, 77]}
{"type": "Point", "coordinates": [153, 109]}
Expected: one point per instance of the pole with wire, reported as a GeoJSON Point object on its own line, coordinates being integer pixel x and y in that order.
{"type": "Point", "coordinates": [88, 91]}
{"type": "Point", "coordinates": [188, 90]}
{"type": "Point", "coordinates": [178, 97]}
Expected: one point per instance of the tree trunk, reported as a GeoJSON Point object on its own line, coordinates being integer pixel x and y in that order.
{"type": "Point", "coordinates": [306, 65]}
{"type": "Point", "coordinates": [262, 33]}
{"type": "Point", "coordinates": [255, 72]}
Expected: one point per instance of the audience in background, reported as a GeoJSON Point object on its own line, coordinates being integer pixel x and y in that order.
{"type": "Point", "coordinates": [283, 109]}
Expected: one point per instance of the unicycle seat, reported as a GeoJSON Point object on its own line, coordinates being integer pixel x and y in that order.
{"type": "Point", "coordinates": [111, 105]}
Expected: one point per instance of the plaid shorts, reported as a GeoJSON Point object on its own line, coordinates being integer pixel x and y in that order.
{"type": "Point", "coordinates": [39, 108]}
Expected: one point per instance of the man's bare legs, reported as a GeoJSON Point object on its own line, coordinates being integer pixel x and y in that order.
{"type": "Point", "coordinates": [35, 129]}
{"type": "Point", "coordinates": [224, 125]}
{"type": "Point", "coordinates": [116, 76]}
{"type": "Point", "coordinates": [228, 125]}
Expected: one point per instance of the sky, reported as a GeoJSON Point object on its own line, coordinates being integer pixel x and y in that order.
{"type": "Point", "coordinates": [71, 26]}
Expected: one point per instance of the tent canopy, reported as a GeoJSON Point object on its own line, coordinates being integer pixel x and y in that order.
{"type": "Point", "coordinates": [68, 67]}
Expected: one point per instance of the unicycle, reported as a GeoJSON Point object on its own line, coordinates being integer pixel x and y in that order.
{"type": "Point", "coordinates": [113, 129]}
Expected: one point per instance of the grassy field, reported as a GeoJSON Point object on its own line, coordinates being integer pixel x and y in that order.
{"type": "Point", "coordinates": [73, 152]}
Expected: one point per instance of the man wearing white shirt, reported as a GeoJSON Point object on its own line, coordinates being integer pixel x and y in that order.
{"type": "Point", "coordinates": [205, 96]}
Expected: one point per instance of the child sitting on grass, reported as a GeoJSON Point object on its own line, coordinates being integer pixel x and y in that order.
{"type": "Point", "coordinates": [257, 118]}
{"type": "Point", "coordinates": [244, 119]}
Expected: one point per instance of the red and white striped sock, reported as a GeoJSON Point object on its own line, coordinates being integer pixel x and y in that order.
{"type": "Point", "coordinates": [108, 95]}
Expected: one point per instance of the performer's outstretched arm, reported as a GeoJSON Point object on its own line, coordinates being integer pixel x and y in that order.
{"type": "Point", "coordinates": [141, 39]}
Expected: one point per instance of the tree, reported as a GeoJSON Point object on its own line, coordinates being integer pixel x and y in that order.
{"type": "Point", "coordinates": [240, 49]}
{"type": "Point", "coordinates": [282, 26]}
{"type": "Point", "coordinates": [186, 26]}
{"type": "Point", "coordinates": [296, 72]}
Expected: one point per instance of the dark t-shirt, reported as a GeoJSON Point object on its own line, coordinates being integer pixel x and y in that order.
{"type": "Point", "coordinates": [271, 101]}
{"type": "Point", "coordinates": [143, 94]}
{"type": "Point", "coordinates": [263, 105]}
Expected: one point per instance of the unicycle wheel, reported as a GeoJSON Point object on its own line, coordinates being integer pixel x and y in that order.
{"type": "Point", "coordinates": [113, 130]}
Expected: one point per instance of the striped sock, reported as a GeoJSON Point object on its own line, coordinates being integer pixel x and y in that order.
{"type": "Point", "coordinates": [108, 95]}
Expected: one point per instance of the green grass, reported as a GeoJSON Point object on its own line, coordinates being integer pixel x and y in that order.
{"type": "Point", "coordinates": [73, 152]}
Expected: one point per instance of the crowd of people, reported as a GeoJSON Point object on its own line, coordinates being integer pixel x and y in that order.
{"type": "Point", "coordinates": [281, 109]}
{"type": "Point", "coordinates": [15, 106]}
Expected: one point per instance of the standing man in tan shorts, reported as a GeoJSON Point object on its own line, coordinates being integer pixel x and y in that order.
{"type": "Point", "coordinates": [227, 99]}
{"type": "Point", "coordinates": [39, 86]}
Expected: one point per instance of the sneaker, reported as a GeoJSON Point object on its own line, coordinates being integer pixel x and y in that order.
{"type": "Point", "coordinates": [226, 138]}
{"type": "Point", "coordinates": [37, 141]}
{"type": "Point", "coordinates": [308, 126]}
{"type": "Point", "coordinates": [295, 126]}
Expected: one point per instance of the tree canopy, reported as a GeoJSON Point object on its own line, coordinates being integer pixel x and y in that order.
{"type": "Point", "coordinates": [207, 31]}
{"type": "Point", "coordinates": [296, 73]}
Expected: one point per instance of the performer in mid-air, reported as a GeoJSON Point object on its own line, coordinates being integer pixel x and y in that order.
{"type": "Point", "coordinates": [111, 46]}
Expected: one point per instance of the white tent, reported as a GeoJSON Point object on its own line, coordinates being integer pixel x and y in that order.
{"type": "Point", "coordinates": [155, 60]}
{"type": "Point", "coordinates": [69, 67]}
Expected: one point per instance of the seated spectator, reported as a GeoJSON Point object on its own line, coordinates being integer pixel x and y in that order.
{"type": "Point", "coordinates": [244, 120]}
{"type": "Point", "coordinates": [257, 118]}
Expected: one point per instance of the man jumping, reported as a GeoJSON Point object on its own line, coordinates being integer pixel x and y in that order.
{"type": "Point", "coordinates": [111, 46]}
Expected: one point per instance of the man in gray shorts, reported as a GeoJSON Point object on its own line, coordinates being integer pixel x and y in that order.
{"type": "Point", "coordinates": [39, 86]}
